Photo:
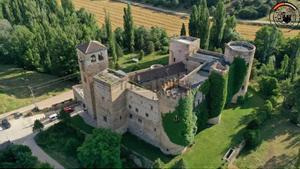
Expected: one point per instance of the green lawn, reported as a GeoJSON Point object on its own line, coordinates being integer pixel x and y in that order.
{"type": "Point", "coordinates": [14, 93]}
{"type": "Point", "coordinates": [211, 144]}
{"type": "Point", "coordinates": [127, 65]}
{"type": "Point", "coordinates": [281, 142]}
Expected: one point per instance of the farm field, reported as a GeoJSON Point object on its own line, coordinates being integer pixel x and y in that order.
{"type": "Point", "coordinates": [148, 18]}
{"type": "Point", "coordinates": [14, 92]}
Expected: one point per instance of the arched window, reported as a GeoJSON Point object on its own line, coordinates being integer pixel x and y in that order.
{"type": "Point", "coordinates": [93, 58]}
{"type": "Point", "coordinates": [100, 57]}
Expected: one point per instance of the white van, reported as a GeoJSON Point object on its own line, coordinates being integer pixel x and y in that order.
{"type": "Point", "coordinates": [53, 117]}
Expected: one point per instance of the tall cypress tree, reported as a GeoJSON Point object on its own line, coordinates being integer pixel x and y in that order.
{"type": "Point", "coordinates": [183, 31]}
{"type": "Point", "coordinates": [203, 24]}
{"type": "Point", "coordinates": [128, 29]}
{"type": "Point", "coordinates": [193, 31]}
{"type": "Point", "coordinates": [111, 38]}
{"type": "Point", "coordinates": [218, 26]}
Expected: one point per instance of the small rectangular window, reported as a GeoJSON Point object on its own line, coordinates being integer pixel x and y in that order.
{"type": "Point", "coordinates": [129, 106]}
{"type": "Point", "coordinates": [147, 115]}
{"type": "Point", "coordinates": [136, 109]}
{"type": "Point", "coordinates": [151, 107]}
{"type": "Point", "coordinates": [105, 118]}
{"type": "Point", "coordinates": [130, 115]}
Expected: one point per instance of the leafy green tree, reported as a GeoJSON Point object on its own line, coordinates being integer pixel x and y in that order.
{"type": "Point", "coordinates": [253, 138]}
{"type": "Point", "coordinates": [269, 86]}
{"type": "Point", "coordinates": [180, 164]}
{"type": "Point", "coordinates": [150, 48]}
{"type": "Point", "coordinates": [194, 17]}
{"type": "Point", "coordinates": [217, 31]}
{"type": "Point", "coordinates": [203, 24]}
{"type": "Point", "coordinates": [119, 50]}
{"type": "Point", "coordinates": [64, 116]}
{"type": "Point", "coordinates": [183, 31]}
{"type": "Point", "coordinates": [101, 150]}
{"type": "Point", "coordinates": [17, 156]}
{"type": "Point", "coordinates": [128, 29]}
{"type": "Point", "coordinates": [68, 6]}
{"type": "Point", "coordinates": [230, 33]}
{"type": "Point", "coordinates": [38, 125]}
{"type": "Point", "coordinates": [237, 74]}
{"type": "Point", "coordinates": [267, 41]}
{"type": "Point", "coordinates": [141, 55]}
{"type": "Point", "coordinates": [158, 164]}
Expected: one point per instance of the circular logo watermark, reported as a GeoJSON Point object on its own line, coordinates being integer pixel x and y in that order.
{"type": "Point", "coordinates": [285, 14]}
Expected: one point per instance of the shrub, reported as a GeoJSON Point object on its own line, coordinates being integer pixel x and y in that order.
{"type": "Point", "coordinates": [252, 138]}
{"type": "Point", "coordinates": [38, 125]}
{"type": "Point", "coordinates": [158, 164]}
{"type": "Point", "coordinates": [254, 124]}
{"type": "Point", "coordinates": [248, 13]}
{"type": "Point", "coordinates": [141, 55]}
{"type": "Point", "coordinates": [150, 47]}
{"type": "Point", "coordinates": [268, 86]}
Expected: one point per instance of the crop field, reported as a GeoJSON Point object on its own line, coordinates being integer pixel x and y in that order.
{"type": "Point", "coordinates": [148, 18]}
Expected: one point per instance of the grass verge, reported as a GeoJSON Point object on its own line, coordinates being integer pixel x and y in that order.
{"type": "Point", "coordinates": [14, 92]}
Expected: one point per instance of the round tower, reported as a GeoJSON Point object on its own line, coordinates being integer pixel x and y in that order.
{"type": "Point", "coordinates": [246, 51]}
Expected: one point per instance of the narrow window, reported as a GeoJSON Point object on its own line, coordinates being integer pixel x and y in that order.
{"type": "Point", "coordinates": [151, 107]}
{"type": "Point", "coordinates": [129, 106]}
{"type": "Point", "coordinates": [100, 57]}
{"type": "Point", "coordinates": [120, 117]}
{"type": "Point", "coordinates": [147, 115]}
{"type": "Point", "coordinates": [105, 118]}
{"type": "Point", "coordinates": [174, 59]}
{"type": "Point", "coordinates": [136, 109]}
{"type": "Point", "coordinates": [130, 115]}
{"type": "Point", "coordinates": [155, 129]}
{"type": "Point", "coordinates": [140, 120]}
{"type": "Point", "coordinates": [93, 58]}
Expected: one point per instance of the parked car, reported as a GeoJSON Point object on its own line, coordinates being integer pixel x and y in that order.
{"type": "Point", "coordinates": [5, 124]}
{"type": "Point", "coordinates": [53, 117]}
{"type": "Point", "coordinates": [17, 115]}
{"type": "Point", "coordinates": [68, 109]}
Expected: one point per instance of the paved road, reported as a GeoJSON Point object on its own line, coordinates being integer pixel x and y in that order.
{"type": "Point", "coordinates": [37, 151]}
{"type": "Point", "coordinates": [43, 104]}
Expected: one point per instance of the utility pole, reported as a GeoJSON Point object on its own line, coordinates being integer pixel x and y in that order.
{"type": "Point", "coordinates": [33, 97]}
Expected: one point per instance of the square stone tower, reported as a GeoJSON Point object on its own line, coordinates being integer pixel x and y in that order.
{"type": "Point", "coordinates": [182, 47]}
{"type": "Point", "coordinates": [92, 59]}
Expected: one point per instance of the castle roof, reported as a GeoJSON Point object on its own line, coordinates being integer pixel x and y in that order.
{"type": "Point", "coordinates": [91, 47]}
{"type": "Point", "coordinates": [161, 72]}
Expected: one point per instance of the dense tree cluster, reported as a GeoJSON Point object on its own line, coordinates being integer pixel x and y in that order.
{"type": "Point", "coordinates": [42, 35]}
{"type": "Point", "coordinates": [184, 120]}
{"type": "Point", "coordinates": [221, 31]}
{"type": "Point", "coordinates": [101, 149]}
{"type": "Point", "coordinates": [20, 156]}
{"type": "Point", "coordinates": [251, 9]}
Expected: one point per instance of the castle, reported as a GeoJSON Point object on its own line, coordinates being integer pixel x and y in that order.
{"type": "Point", "coordinates": [136, 102]}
